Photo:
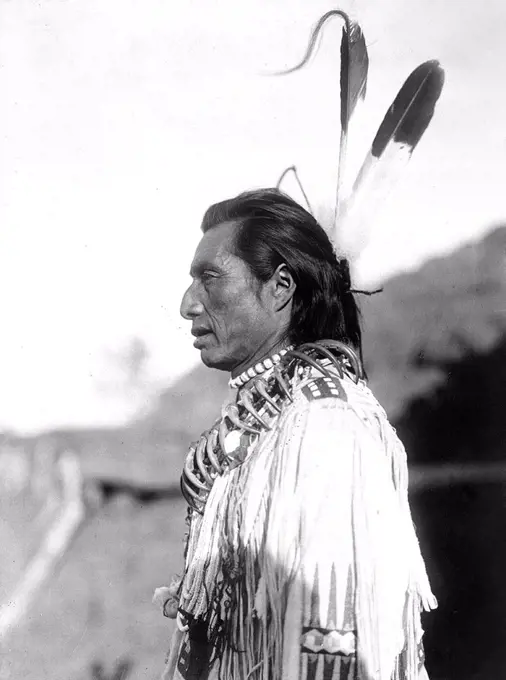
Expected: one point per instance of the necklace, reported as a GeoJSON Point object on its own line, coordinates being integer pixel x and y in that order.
{"type": "Point", "coordinates": [253, 410]}
{"type": "Point", "coordinates": [259, 368]}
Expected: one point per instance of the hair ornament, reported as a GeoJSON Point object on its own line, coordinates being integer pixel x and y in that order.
{"type": "Point", "coordinates": [358, 201]}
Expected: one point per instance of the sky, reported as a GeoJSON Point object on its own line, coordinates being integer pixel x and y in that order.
{"type": "Point", "coordinates": [122, 120]}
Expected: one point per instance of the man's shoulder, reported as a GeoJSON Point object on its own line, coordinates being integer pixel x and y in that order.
{"type": "Point", "coordinates": [340, 395]}
{"type": "Point", "coordinates": [338, 414]}
{"type": "Point", "coordinates": [325, 371]}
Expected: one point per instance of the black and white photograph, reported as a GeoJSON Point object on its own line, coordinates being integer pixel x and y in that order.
{"type": "Point", "coordinates": [253, 340]}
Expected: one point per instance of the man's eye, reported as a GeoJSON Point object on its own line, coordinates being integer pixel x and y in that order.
{"type": "Point", "coordinates": [207, 277]}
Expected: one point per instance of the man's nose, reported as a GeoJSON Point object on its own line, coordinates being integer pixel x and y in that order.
{"type": "Point", "coordinates": [191, 307]}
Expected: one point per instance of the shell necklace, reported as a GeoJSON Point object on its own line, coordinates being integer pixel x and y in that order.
{"type": "Point", "coordinates": [259, 368]}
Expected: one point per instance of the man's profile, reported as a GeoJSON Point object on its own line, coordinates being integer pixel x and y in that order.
{"type": "Point", "coordinates": [301, 560]}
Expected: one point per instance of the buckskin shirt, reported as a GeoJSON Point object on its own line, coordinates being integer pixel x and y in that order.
{"type": "Point", "coordinates": [302, 561]}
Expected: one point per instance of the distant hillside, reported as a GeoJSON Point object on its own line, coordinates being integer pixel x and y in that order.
{"type": "Point", "coordinates": [150, 450]}
{"type": "Point", "coordinates": [452, 306]}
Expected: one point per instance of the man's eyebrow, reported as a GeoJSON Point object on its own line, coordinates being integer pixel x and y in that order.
{"type": "Point", "coordinates": [199, 267]}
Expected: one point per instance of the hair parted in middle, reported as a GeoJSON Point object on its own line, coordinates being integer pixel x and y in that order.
{"type": "Point", "coordinates": [273, 229]}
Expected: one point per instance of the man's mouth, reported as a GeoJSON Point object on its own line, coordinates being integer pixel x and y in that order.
{"type": "Point", "coordinates": [198, 332]}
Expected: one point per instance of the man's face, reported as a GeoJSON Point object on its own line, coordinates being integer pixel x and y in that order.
{"type": "Point", "coordinates": [231, 312]}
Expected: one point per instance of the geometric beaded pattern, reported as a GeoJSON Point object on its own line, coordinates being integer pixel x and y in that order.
{"type": "Point", "coordinates": [324, 641]}
{"type": "Point", "coordinates": [322, 388]}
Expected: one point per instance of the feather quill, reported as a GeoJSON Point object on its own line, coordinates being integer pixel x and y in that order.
{"type": "Point", "coordinates": [292, 172]}
{"type": "Point", "coordinates": [398, 135]}
{"type": "Point", "coordinates": [354, 69]}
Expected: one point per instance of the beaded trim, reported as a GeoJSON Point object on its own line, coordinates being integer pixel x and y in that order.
{"type": "Point", "coordinates": [259, 368]}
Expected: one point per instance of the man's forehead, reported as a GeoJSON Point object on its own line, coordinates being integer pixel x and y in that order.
{"type": "Point", "coordinates": [216, 246]}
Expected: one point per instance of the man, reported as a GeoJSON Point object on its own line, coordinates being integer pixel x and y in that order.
{"type": "Point", "coordinates": [301, 561]}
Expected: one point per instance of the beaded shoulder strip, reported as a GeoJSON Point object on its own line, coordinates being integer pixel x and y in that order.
{"type": "Point", "coordinates": [258, 404]}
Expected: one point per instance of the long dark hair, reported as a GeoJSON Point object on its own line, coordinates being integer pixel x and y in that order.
{"type": "Point", "coordinates": [273, 229]}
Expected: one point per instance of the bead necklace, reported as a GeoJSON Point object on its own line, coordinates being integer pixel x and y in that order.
{"type": "Point", "coordinates": [259, 368]}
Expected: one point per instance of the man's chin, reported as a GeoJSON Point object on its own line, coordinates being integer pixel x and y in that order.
{"type": "Point", "coordinates": [214, 360]}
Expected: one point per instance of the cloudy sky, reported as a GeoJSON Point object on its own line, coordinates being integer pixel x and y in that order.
{"type": "Point", "coordinates": [121, 120]}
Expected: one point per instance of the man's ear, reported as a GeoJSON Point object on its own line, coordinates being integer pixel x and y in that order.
{"type": "Point", "coordinates": [283, 287]}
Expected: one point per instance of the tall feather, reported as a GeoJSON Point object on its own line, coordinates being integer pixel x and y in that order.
{"type": "Point", "coordinates": [354, 69]}
{"type": "Point", "coordinates": [353, 79]}
{"type": "Point", "coordinates": [402, 128]}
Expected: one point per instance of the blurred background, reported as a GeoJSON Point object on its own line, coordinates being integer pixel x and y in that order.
{"type": "Point", "coordinates": [120, 123]}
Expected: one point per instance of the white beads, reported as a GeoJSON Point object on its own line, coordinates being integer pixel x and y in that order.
{"type": "Point", "coordinates": [259, 368]}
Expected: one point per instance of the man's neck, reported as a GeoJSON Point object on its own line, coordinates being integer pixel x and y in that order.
{"type": "Point", "coordinates": [264, 352]}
